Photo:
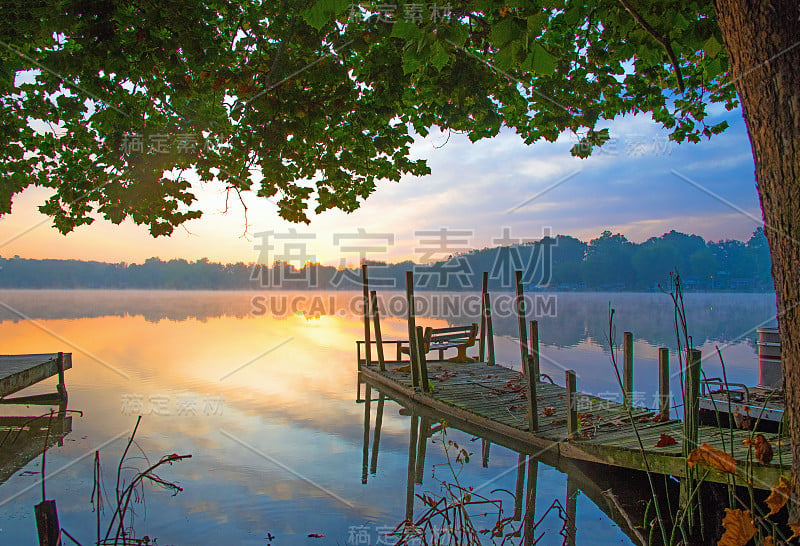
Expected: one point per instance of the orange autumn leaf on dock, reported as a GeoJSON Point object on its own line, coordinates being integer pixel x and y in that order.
{"type": "Point", "coordinates": [666, 440]}
{"type": "Point", "coordinates": [739, 528]}
{"type": "Point", "coordinates": [778, 496]}
{"type": "Point", "coordinates": [763, 449]}
{"type": "Point", "coordinates": [712, 457]}
{"type": "Point", "coordinates": [548, 411]}
{"type": "Point", "coordinates": [795, 527]}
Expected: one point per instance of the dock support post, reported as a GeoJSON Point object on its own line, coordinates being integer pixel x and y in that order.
{"type": "Point", "coordinates": [47, 524]}
{"type": "Point", "coordinates": [422, 448]}
{"type": "Point", "coordinates": [572, 510]}
{"type": "Point", "coordinates": [487, 301]}
{"type": "Point", "coordinates": [376, 436]}
{"type": "Point", "coordinates": [534, 327]}
{"type": "Point", "coordinates": [485, 446]}
{"type": "Point", "coordinates": [523, 334]}
{"type": "Point", "coordinates": [422, 361]}
{"type": "Point", "coordinates": [412, 468]}
{"type": "Point", "coordinates": [691, 409]}
{"type": "Point", "coordinates": [376, 319]}
{"type": "Point", "coordinates": [572, 406]}
{"type": "Point", "coordinates": [519, 493]}
{"type": "Point", "coordinates": [412, 329]}
{"type": "Point", "coordinates": [62, 386]}
{"type": "Point", "coordinates": [533, 402]}
{"type": "Point", "coordinates": [365, 451]}
{"type": "Point", "coordinates": [367, 345]}
{"type": "Point", "coordinates": [627, 369]}
{"type": "Point", "coordinates": [482, 341]}
{"type": "Point", "coordinates": [530, 501]}
{"type": "Point", "coordinates": [663, 382]}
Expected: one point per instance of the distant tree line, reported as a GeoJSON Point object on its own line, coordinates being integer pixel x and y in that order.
{"type": "Point", "coordinates": [607, 263]}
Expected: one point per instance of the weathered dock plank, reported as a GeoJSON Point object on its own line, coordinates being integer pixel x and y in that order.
{"type": "Point", "coordinates": [20, 371]}
{"type": "Point", "coordinates": [493, 400]}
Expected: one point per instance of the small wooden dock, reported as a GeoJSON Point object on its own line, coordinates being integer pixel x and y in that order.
{"type": "Point", "coordinates": [494, 399]}
{"type": "Point", "coordinates": [18, 372]}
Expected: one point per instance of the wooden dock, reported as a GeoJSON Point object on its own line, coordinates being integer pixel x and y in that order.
{"type": "Point", "coordinates": [492, 398]}
{"type": "Point", "coordinates": [18, 372]}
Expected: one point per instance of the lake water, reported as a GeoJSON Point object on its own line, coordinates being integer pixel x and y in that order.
{"type": "Point", "coordinates": [262, 393]}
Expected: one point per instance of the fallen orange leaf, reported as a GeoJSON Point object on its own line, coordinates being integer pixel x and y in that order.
{"type": "Point", "coordinates": [713, 457]}
{"type": "Point", "coordinates": [739, 528]}
{"type": "Point", "coordinates": [778, 496]}
{"type": "Point", "coordinates": [768, 542]}
{"type": "Point", "coordinates": [666, 440]}
{"type": "Point", "coordinates": [763, 449]}
{"type": "Point", "coordinates": [548, 411]}
{"type": "Point", "coordinates": [795, 527]}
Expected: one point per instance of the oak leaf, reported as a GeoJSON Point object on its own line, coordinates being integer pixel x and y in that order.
{"type": "Point", "coordinates": [739, 528]}
{"type": "Point", "coordinates": [778, 496]}
{"type": "Point", "coordinates": [712, 457]}
{"type": "Point", "coordinates": [763, 449]}
{"type": "Point", "coordinates": [666, 440]}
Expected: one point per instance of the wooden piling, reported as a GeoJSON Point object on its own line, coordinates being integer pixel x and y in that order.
{"type": "Point", "coordinates": [47, 523]}
{"type": "Point", "coordinates": [531, 395]}
{"type": "Point", "coordinates": [62, 386]}
{"type": "Point", "coordinates": [422, 360]}
{"type": "Point", "coordinates": [482, 340]}
{"type": "Point", "coordinates": [376, 319]}
{"type": "Point", "coordinates": [367, 345]}
{"type": "Point", "coordinates": [663, 382]}
{"type": "Point", "coordinates": [422, 448]}
{"type": "Point", "coordinates": [627, 369]}
{"type": "Point", "coordinates": [485, 447]}
{"type": "Point", "coordinates": [572, 406]}
{"type": "Point", "coordinates": [691, 409]}
{"type": "Point", "coordinates": [521, 318]}
{"type": "Point", "coordinates": [692, 403]}
{"type": "Point", "coordinates": [412, 329]}
{"type": "Point", "coordinates": [570, 526]}
{"type": "Point", "coordinates": [519, 493]}
{"type": "Point", "coordinates": [530, 502]}
{"type": "Point", "coordinates": [412, 467]}
{"type": "Point", "coordinates": [365, 444]}
{"type": "Point", "coordinates": [534, 328]}
{"type": "Point", "coordinates": [376, 435]}
{"type": "Point", "coordinates": [489, 330]}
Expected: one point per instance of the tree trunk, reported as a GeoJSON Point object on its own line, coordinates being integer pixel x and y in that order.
{"type": "Point", "coordinates": [763, 41]}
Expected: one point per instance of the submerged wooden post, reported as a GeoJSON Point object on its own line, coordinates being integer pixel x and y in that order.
{"type": "Point", "coordinates": [519, 493]}
{"type": "Point", "coordinates": [412, 329]}
{"type": "Point", "coordinates": [534, 327]}
{"type": "Point", "coordinates": [422, 361]}
{"type": "Point", "coordinates": [365, 450]}
{"type": "Point", "coordinates": [367, 345]}
{"type": "Point", "coordinates": [62, 386]}
{"type": "Point", "coordinates": [412, 467]}
{"type": "Point", "coordinates": [422, 448]}
{"type": "Point", "coordinates": [376, 436]}
{"type": "Point", "coordinates": [523, 334]}
{"type": "Point", "coordinates": [485, 446]}
{"type": "Point", "coordinates": [533, 402]}
{"type": "Point", "coordinates": [482, 341]}
{"type": "Point", "coordinates": [530, 502]}
{"type": "Point", "coordinates": [663, 382]}
{"type": "Point", "coordinates": [47, 523]}
{"type": "Point", "coordinates": [376, 319]}
{"type": "Point", "coordinates": [627, 369]}
{"type": "Point", "coordinates": [572, 406]}
{"type": "Point", "coordinates": [572, 509]}
{"type": "Point", "coordinates": [489, 329]}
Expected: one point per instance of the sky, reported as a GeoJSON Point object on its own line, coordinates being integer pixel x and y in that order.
{"type": "Point", "coordinates": [492, 192]}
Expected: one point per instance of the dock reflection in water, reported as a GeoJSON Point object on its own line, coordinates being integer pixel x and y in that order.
{"type": "Point", "coordinates": [498, 511]}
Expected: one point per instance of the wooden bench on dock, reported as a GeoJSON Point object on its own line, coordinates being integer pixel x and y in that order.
{"type": "Point", "coordinates": [441, 339]}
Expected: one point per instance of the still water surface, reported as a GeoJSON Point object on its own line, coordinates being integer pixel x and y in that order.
{"type": "Point", "coordinates": [262, 394]}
